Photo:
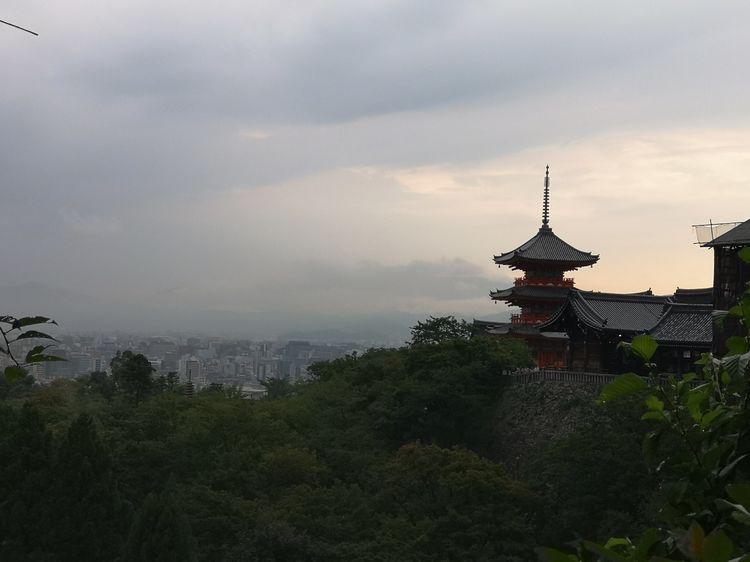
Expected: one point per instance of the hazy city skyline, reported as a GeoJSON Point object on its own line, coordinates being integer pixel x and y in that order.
{"type": "Point", "coordinates": [280, 166]}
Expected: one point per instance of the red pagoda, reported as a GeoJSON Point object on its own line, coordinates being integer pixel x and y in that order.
{"type": "Point", "coordinates": [543, 289]}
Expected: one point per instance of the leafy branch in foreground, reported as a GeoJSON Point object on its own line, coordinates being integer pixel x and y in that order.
{"type": "Point", "coordinates": [12, 331]}
{"type": "Point", "coordinates": [700, 449]}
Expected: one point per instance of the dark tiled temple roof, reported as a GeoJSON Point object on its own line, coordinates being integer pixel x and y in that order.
{"type": "Point", "coordinates": [685, 324]}
{"type": "Point", "coordinates": [495, 328]}
{"type": "Point", "coordinates": [671, 323]}
{"type": "Point", "coordinates": [738, 236]}
{"type": "Point", "coordinates": [613, 312]}
{"type": "Point", "coordinates": [694, 296]}
{"type": "Point", "coordinates": [530, 292]}
{"type": "Point", "coordinates": [546, 248]}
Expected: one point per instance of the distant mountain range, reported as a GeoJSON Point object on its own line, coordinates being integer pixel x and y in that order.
{"type": "Point", "coordinates": [76, 312]}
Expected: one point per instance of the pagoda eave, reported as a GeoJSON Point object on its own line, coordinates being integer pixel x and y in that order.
{"type": "Point", "coordinates": [546, 248]}
{"type": "Point", "coordinates": [525, 264]}
{"type": "Point", "coordinates": [530, 294]}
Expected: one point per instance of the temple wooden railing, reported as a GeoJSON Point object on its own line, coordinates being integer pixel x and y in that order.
{"type": "Point", "coordinates": [544, 282]}
{"type": "Point", "coordinates": [528, 318]}
{"type": "Point", "coordinates": [523, 376]}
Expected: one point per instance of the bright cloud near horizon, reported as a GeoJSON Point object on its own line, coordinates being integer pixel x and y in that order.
{"type": "Point", "coordinates": [292, 165]}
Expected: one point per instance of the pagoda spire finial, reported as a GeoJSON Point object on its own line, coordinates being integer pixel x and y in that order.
{"type": "Point", "coordinates": [545, 207]}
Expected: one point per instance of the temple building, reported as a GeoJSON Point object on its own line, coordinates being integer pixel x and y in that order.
{"type": "Point", "coordinates": [567, 328]}
{"type": "Point", "coordinates": [731, 274]}
{"type": "Point", "coordinates": [544, 259]}
{"type": "Point", "coordinates": [595, 323]}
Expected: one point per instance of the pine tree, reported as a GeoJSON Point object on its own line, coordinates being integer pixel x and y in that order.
{"type": "Point", "coordinates": [91, 519]}
{"type": "Point", "coordinates": [26, 458]}
{"type": "Point", "coordinates": [160, 531]}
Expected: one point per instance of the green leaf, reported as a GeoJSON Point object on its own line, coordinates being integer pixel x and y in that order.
{"type": "Point", "coordinates": [711, 457]}
{"type": "Point", "coordinates": [14, 373]}
{"type": "Point", "coordinates": [732, 506]}
{"type": "Point", "coordinates": [741, 517]}
{"type": "Point", "coordinates": [744, 363]}
{"type": "Point", "coordinates": [658, 416]}
{"type": "Point", "coordinates": [710, 416]}
{"type": "Point", "coordinates": [617, 541]}
{"type": "Point", "coordinates": [706, 359]}
{"type": "Point", "coordinates": [654, 403]}
{"type": "Point", "coordinates": [693, 541]}
{"type": "Point", "coordinates": [36, 355]}
{"type": "Point", "coordinates": [719, 317]}
{"type": "Point", "coordinates": [736, 365]}
{"type": "Point", "coordinates": [651, 442]}
{"type": "Point", "coordinates": [736, 310]}
{"type": "Point", "coordinates": [31, 321]}
{"type": "Point", "coordinates": [36, 350]}
{"type": "Point", "coordinates": [649, 538]}
{"type": "Point", "coordinates": [644, 346]}
{"type": "Point", "coordinates": [689, 377]}
{"type": "Point", "coordinates": [553, 555]}
{"type": "Point", "coordinates": [32, 334]}
{"type": "Point", "coordinates": [623, 385]}
{"type": "Point", "coordinates": [731, 366]}
{"type": "Point", "coordinates": [694, 400]}
{"type": "Point", "coordinates": [41, 358]}
{"type": "Point", "coordinates": [731, 466]}
{"type": "Point", "coordinates": [717, 547]}
{"type": "Point", "coordinates": [744, 254]}
{"type": "Point", "coordinates": [746, 310]}
{"type": "Point", "coordinates": [736, 345]}
{"type": "Point", "coordinates": [603, 552]}
{"type": "Point", "coordinates": [740, 493]}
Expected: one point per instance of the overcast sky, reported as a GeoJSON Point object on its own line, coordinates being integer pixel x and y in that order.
{"type": "Point", "coordinates": [298, 163]}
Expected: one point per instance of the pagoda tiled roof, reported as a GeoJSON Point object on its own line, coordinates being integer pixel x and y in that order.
{"type": "Point", "coordinates": [546, 248]}
{"type": "Point", "coordinates": [613, 312]}
{"type": "Point", "coordinates": [738, 236]}
{"type": "Point", "coordinates": [531, 292]}
{"type": "Point", "coordinates": [508, 328]}
{"type": "Point", "coordinates": [685, 324]}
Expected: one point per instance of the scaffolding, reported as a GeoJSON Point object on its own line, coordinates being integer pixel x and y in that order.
{"type": "Point", "coordinates": [705, 233]}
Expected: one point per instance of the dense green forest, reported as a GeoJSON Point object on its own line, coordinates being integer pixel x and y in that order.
{"type": "Point", "coordinates": [394, 455]}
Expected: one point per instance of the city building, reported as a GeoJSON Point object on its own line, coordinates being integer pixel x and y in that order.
{"type": "Point", "coordinates": [190, 370]}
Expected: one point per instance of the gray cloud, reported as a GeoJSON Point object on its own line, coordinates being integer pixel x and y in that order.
{"type": "Point", "coordinates": [93, 225]}
{"type": "Point", "coordinates": [354, 60]}
{"type": "Point", "coordinates": [153, 105]}
{"type": "Point", "coordinates": [233, 150]}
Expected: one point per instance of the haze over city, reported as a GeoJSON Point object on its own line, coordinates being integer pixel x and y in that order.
{"type": "Point", "coordinates": [263, 168]}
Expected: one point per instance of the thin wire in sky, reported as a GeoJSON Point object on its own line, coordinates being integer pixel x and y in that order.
{"type": "Point", "coordinates": [19, 27]}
